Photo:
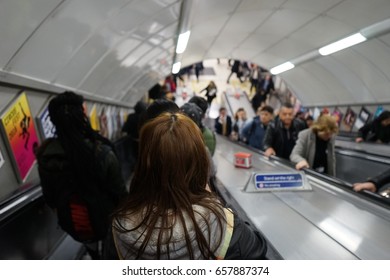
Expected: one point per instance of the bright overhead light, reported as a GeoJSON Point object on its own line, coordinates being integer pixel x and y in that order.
{"type": "Point", "coordinates": [176, 67]}
{"type": "Point", "coordinates": [342, 44]}
{"type": "Point", "coordinates": [281, 68]}
{"type": "Point", "coordinates": [182, 42]}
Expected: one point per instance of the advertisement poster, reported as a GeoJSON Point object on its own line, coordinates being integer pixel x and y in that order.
{"type": "Point", "coordinates": [337, 115]}
{"type": "Point", "coordinates": [124, 114]}
{"type": "Point", "coordinates": [363, 118]}
{"type": "Point", "coordinates": [93, 118]}
{"type": "Point", "coordinates": [46, 126]}
{"type": "Point", "coordinates": [110, 127]}
{"type": "Point", "coordinates": [316, 113]}
{"type": "Point", "coordinates": [349, 120]}
{"type": "Point", "coordinates": [378, 111]}
{"type": "Point", "coordinates": [17, 123]}
{"type": "Point", "coordinates": [103, 122]}
{"type": "Point", "coordinates": [1, 159]}
{"type": "Point", "coordinates": [118, 124]}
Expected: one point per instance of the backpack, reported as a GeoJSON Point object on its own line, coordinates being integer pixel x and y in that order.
{"type": "Point", "coordinates": [80, 203]}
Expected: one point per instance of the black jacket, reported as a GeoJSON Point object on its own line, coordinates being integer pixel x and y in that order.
{"type": "Point", "coordinates": [51, 157]}
{"type": "Point", "coordinates": [380, 180]}
{"type": "Point", "coordinates": [219, 128]}
{"type": "Point", "coordinates": [246, 243]}
{"type": "Point", "coordinates": [374, 131]}
{"type": "Point", "coordinates": [274, 137]}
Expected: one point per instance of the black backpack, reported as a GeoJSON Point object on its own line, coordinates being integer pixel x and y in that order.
{"type": "Point", "coordinates": [80, 203]}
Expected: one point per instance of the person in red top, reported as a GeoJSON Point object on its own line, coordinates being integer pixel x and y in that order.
{"type": "Point", "coordinates": [170, 84]}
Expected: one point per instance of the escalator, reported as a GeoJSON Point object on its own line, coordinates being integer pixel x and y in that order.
{"type": "Point", "coordinates": [235, 99]}
{"type": "Point", "coordinates": [330, 221]}
{"type": "Point", "coordinates": [358, 161]}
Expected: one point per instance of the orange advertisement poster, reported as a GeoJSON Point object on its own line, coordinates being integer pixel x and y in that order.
{"type": "Point", "coordinates": [18, 126]}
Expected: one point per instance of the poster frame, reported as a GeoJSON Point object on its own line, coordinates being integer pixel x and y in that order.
{"type": "Point", "coordinates": [38, 120]}
{"type": "Point", "coordinates": [348, 114]}
{"type": "Point", "coordinates": [337, 113]}
{"type": "Point", "coordinates": [22, 170]}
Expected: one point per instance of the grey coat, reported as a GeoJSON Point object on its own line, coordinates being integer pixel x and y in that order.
{"type": "Point", "coordinates": [305, 149]}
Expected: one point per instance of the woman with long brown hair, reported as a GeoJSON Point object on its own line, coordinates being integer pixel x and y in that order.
{"type": "Point", "coordinates": [170, 212]}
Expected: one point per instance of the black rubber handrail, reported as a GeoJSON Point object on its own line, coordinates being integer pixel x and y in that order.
{"type": "Point", "coordinates": [378, 199]}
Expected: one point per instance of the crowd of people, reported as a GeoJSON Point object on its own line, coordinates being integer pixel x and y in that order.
{"type": "Point", "coordinates": [171, 208]}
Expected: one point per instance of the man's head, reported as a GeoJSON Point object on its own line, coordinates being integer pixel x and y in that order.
{"type": "Point", "coordinates": [194, 112]}
{"type": "Point", "coordinates": [384, 118]}
{"type": "Point", "coordinates": [201, 102]}
{"type": "Point", "coordinates": [67, 113]}
{"type": "Point", "coordinates": [266, 114]}
{"type": "Point", "coordinates": [286, 114]}
{"type": "Point", "coordinates": [222, 112]}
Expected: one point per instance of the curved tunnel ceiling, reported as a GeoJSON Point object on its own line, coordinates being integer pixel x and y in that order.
{"type": "Point", "coordinates": [118, 49]}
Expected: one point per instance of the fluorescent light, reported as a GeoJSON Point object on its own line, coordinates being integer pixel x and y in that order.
{"type": "Point", "coordinates": [176, 67]}
{"type": "Point", "coordinates": [342, 44]}
{"type": "Point", "coordinates": [182, 42]}
{"type": "Point", "coordinates": [281, 68]}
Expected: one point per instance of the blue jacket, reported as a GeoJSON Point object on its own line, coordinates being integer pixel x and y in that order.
{"type": "Point", "coordinates": [253, 133]}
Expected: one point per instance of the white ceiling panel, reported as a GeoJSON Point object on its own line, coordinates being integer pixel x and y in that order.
{"type": "Point", "coordinates": [92, 81]}
{"type": "Point", "coordinates": [321, 31]}
{"type": "Point", "coordinates": [124, 24]}
{"type": "Point", "coordinates": [155, 23]}
{"type": "Point", "coordinates": [294, 82]}
{"type": "Point", "coordinates": [241, 53]}
{"type": "Point", "coordinates": [59, 37]}
{"type": "Point", "coordinates": [246, 21]}
{"type": "Point", "coordinates": [168, 44]}
{"type": "Point", "coordinates": [125, 47]}
{"type": "Point", "coordinates": [116, 76]}
{"type": "Point", "coordinates": [289, 20]}
{"type": "Point", "coordinates": [229, 40]}
{"type": "Point", "coordinates": [362, 67]}
{"type": "Point", "coordinates": [287, 49]}
{"type": "Point", "coordinates": [266, 60]}
{"type": "Point", "coordinates": [204, 29]}
{"type": "Point", "coordinates": [148, 57]}
{"type": "Point", "coordinates": [263, 42]}
{"type": "Point", "coordinates": [330, 82]}
{"type": "Point", "coordinates": [356, 91]}
{"type": "Point", "coordinates": [378, 54]}
{"type": "Point", "coordinates": [250, 5]}
{"type": "Point", "coordinates": [130, 79]}
{"type": "Point", "coordinates": [50, 49]}
{"type": "Point", "coordinates": [168, 33]}
{"type": "Point", "coordinates": [135, 55]}
{"type": "Point", "coordinates": [374, 78]}
{"type": "Point", "coordinates": [18, 20]}
{"type": "Point", "coordinates": [85, 59]}
{"type": "Point", "coordinates": [361, 13]}
{"type": "Point", "coordinates": [118, 48]}
{"type": "Point", "coordinates": [311, 6]}
{"type": "Point", "coordinates": [205, 10]}
{"type": "Point", "coordinates": [116, 81]}
{"type": "Point", "coordinates": [257, 43]}
{"type": "Point", "coordinates": [386, 39]}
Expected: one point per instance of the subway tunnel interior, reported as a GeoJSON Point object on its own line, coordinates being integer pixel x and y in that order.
{"type": "Point", "coordinates": [113, 52]}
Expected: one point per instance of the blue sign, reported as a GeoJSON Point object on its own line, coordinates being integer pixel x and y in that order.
{"type": "Point", "coordinates": [282, 180]}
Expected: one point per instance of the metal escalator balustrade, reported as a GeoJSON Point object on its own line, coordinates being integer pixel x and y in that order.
{"type": "Point", "coordinates": [329, 222]}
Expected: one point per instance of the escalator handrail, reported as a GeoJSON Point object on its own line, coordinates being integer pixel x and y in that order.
{"type": "Point", "coordinates": [228, 103]}
{"type": "Point", "coordinates": [26, 194]}
{"type": "Point", "coordinates": [374, 197]}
